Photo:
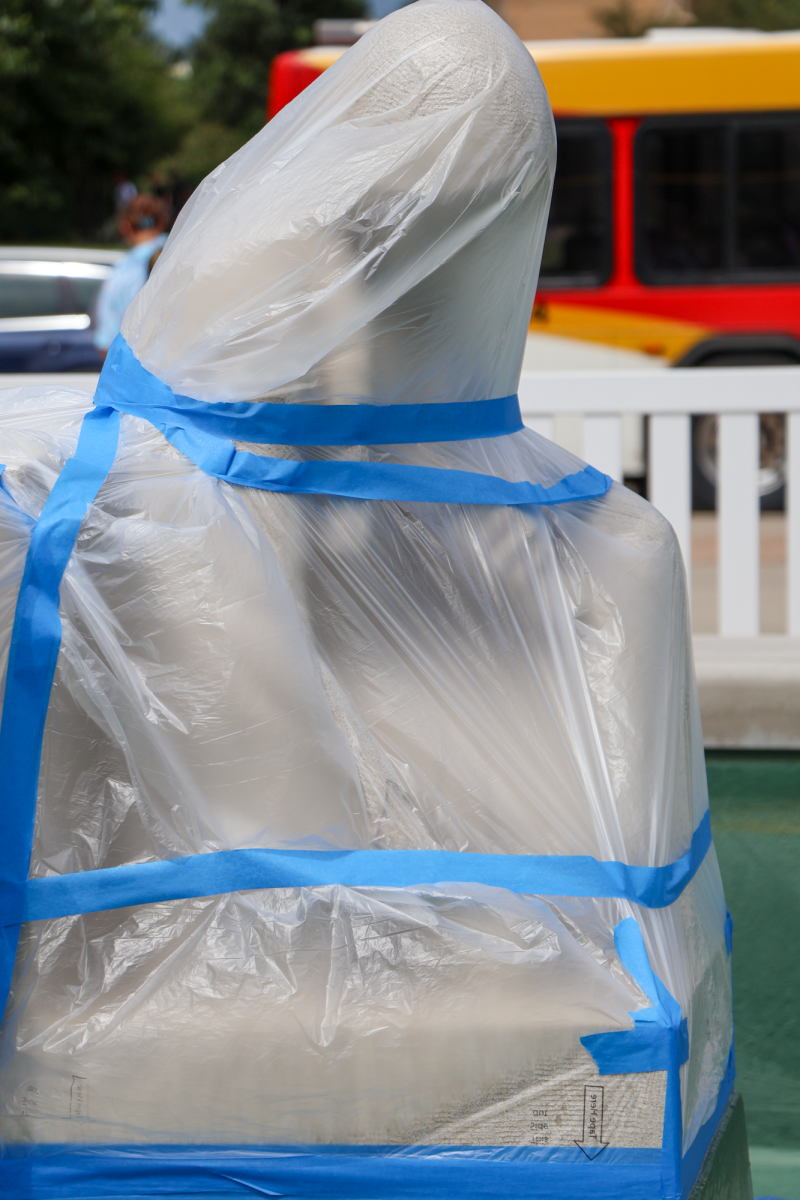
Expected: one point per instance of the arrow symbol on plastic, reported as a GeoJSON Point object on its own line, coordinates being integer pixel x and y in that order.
{"type": "Point", "coordinates": [592, 1142]}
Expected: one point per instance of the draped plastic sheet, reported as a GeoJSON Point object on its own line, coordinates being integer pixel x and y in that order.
{"type": "Point", "coordinates": [240, 668]}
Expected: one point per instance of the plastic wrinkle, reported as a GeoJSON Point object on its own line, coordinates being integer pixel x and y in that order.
{"type": "Point", "coordinates": [35, 639]}
{"type": "Point", "coordinates": [238, 870]}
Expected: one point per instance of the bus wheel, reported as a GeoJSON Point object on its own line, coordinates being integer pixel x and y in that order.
{"type": "Point", "coordinates": [741, 350]}
{"type": "Point", "coordinates": [771, 475]}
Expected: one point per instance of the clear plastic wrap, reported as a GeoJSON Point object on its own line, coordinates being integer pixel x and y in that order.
{"type": "Point", "coordinates": [240, 668]}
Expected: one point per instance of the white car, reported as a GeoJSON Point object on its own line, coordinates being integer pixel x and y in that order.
{"type": "Point", "coordinates": [47, 297]}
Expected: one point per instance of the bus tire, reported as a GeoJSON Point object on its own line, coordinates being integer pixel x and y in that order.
{"type": "Point", "coordinates": [757, 350]}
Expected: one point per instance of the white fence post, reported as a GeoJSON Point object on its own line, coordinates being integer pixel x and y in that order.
{"type": "Point", "coordinates": [793, 523]}
{"type": "Point", "coordinates": [738, 524]}
{"type": "Point", "coordinates": [670, 476]}
{"type": "Point", "coordinates": [736, 397]}
{"type": "Point", "coordinates": [602, 444]}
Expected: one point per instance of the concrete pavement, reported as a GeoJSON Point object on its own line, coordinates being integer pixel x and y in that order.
{"type": "Point", "coordinates": [749, 687]}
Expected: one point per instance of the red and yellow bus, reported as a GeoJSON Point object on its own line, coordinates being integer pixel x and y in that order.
{"type": "Point", "coordinates": [674, 228]}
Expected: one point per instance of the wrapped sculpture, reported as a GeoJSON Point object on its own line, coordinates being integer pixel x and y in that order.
{"type": "Point", "coordinates": [356, 833]}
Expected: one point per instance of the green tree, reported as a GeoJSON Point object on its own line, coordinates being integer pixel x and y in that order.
{"type": "Point", "coordinates": [624, 18]}
{"type": "Point", "coordinates": [230, 70]}
{"type": "Point", "coordinates": [749, 14]}
{"type": "Point", "coordinates": [85, 91]}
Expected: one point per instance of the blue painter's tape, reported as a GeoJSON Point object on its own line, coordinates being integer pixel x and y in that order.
{"type": "Point", "coordinates": [649, 1046]}
{"type": "Point", "coordinates": [203, 431]}
{"type": "Point", "coordinates": [375, 481]}
{"type": "Point", "coordinates": [127, 385]}
{"type": "Point", "coordinates": [633, 956]}
{"type": "Point", "coordinates": [105, 1172]}
{"type": "Point", "coordinates": [657, 1042]}
{"type": "Point", "coordinates": [660, 1033]}
{"type": "Point", "coordinates": [728, 933]}
{"type": "Point", "coordinates": [332, 1173]}
{"type": "Point", "coordinates": [35, 639]}
{"type": "Point", "coordinates": [693, 1159]}
{"type": "Point", "coordinates": [239, 870]}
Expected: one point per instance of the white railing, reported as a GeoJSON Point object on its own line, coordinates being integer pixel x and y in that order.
{"type": "Point", "coordinates": [668, 398]}
{"type": "Point", "coordinates": [737, 395]}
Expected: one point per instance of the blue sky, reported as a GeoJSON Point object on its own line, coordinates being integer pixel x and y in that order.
{"type": "Point", "coordinates": [177, 23]}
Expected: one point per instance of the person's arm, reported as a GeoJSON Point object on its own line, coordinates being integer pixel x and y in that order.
{"type": "Point", "coordinates": [115, 295]}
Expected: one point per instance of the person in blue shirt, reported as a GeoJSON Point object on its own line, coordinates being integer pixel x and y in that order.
{"type": "Point", "coordinates": [142, 225]}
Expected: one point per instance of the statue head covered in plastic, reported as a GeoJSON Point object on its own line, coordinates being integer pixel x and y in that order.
{"type": "Point", "coordinates": [379, 240]}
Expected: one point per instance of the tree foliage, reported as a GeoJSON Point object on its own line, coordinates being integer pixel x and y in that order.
{"type": "Point", "coordinates": [624, 19]}
{"type": "Point", "coordinates": [230, 70]}
{"type": "Point", "coordinates": [232, 56]}
{"type": "Point", "coordinates": [632, 18]}
{"type": "Point", "coordinates": [84, 92]}
{"type": "Point", "coordinates": [749, 14]}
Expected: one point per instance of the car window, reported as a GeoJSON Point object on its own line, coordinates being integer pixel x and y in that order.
{"type": "Point", "coordinates": [32, 296]}
{"type": "Point", "coordinates": [577, 248]}
{"type": "Point", "coordinates": [85, 291]}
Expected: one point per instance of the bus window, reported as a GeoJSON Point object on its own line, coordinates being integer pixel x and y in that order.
{"type": "Point", "coordinates": [577, 247]}
{"type": "Point", "coordinates": [718, 203]}
{"type": "Point", "coordinates": [681, 202]}
{"type": "Point", "coordinates": [767, 194]}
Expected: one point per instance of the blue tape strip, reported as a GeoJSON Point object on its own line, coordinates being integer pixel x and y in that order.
{"type": "Point", "coordinates": [693, 1159]}
{"type": "Point", "coordinates": [647, 1047]}
{"type": "Point", "coordinates": [103, 1172]}
{"type": "Point", "coordinates": [347, 1173]}
{"type": "Point", "coordinates": [127, 385]}
{"type": "Point", "coordinates": [202, 432]}
{"type": "Point", "coordinates": [375, 481]}
{"type": "Point", "coordinates": [659, 1031]}
{"type": "Point", "coordinates": [728, 933]}
{"type": "Point", "coordinates": [659, 1041]}
{"type": "Point", "coordinates": [35, 639]}
{"type": "Point", "coordinates": [240, 870]}
{"type": "Point", "coordinates": [633, 956]}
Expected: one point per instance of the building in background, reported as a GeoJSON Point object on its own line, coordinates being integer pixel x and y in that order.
{"type": "Point", "coordinates": [538, 20]}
